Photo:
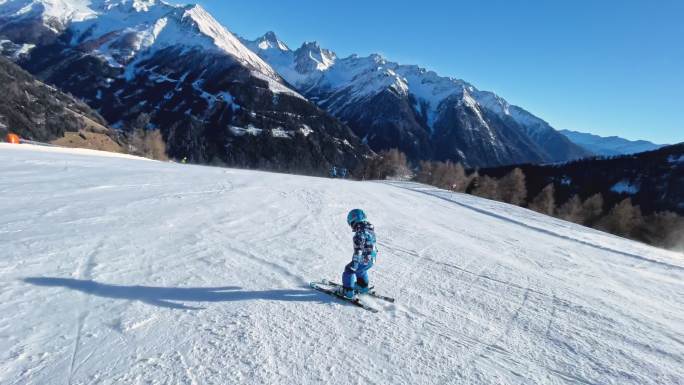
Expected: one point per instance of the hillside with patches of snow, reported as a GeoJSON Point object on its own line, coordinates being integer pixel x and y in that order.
{"type": "Point", "coordinates": [37, 111]}
{"type": "Point", "coordinates": [122, 270]}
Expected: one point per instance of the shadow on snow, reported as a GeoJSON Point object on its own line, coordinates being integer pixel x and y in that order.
{"type": "Point", "coordinates": [162, 296]}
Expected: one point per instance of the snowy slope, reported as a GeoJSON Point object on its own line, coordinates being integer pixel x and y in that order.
{"type": "Point", "coordinates": [129, 271]}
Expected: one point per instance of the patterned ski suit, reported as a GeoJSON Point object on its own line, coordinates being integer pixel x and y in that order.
{"type": "Point", "coordinates": [356, 273]}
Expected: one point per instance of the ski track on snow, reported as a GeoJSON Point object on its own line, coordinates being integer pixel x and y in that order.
{"type": "Point", "coordinates": [84, 271]}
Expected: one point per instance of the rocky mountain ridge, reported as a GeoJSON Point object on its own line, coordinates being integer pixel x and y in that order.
{"type": "Point", "coordinates": [425, 115]}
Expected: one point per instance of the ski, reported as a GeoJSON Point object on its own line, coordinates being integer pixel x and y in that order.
{"type": "Point", "coordinates": [371, 293]}
{"type": "Point", "coordinates": [334, 293]}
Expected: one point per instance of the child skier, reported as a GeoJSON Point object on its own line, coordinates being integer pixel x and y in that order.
{"type": "Point", "coordinates": [355, 277]}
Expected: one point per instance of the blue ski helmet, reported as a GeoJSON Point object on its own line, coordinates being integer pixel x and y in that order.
{"type": "Point", "coordinates": [356, 216]}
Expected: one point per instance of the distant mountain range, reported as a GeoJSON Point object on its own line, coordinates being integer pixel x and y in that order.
{"type": "Point", "coordinates": [428, 116]}
{"type": "Point", "coordinates": [220, 99]}
{"type": "Point", "coordinates": [609, 146]}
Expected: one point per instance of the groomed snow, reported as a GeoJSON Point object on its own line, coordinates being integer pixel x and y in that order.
{"type": "Point", "coordinates": [123, 271]}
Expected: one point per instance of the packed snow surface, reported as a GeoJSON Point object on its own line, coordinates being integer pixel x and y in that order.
{"type": "Point", "coordinates": [118, 270]}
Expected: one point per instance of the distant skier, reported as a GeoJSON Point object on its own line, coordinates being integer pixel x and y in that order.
{"type": "Point", "coordinates": [355, 277]}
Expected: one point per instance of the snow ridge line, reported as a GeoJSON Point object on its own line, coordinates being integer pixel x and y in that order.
{"type": "Point", "coordinates": [538, 229]}
{"type": "Point", "coordinates": [77, 342]}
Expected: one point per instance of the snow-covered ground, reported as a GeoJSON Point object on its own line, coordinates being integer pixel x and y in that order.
{"type": "Point", "coordinates": [118, 270]}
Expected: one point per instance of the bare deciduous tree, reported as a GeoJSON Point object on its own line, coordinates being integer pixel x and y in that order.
{"type": "Point", "coordinates": [144, 142]}
{"type": "Point", "coordinates": [446, 175]}
{"type": "Point", "coordinates": [571, 210]}
{"type": "Point", "coordinates": [623, 219]}
{"type": "Point", "coordinates": [450, 176]}
{"type": "Point", "coordinates": [592, 209]}
{"type": "Point", "coordinates": [512, 187]}
{"type": "Point", "coordinates": [425, 170]}
{"type": "Point", "coordinates": [665, 229]}
{"type": "Point", "coordinates": [545, 201]}
{"type": "Point", "coordinates": [388, 164]}
{"type": "Point", "coordinates": [154, 145]}
{"type": "Point", "coordinates": [486, 187]}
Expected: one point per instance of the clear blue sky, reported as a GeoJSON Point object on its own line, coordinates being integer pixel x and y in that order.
{"type": "Point", "coordinates": [606, 67]}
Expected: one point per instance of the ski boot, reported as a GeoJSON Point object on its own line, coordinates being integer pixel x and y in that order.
{"type": "Point", "coordinates": [362, 286]}
{"type": "Point", "coordinates": [348, 293]}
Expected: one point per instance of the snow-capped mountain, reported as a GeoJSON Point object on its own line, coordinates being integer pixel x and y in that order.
{"type": "Point", "coordinates": [119, 30]}
{"type": "Point", "coordinates": [610, 145]}
{"type": "Point", "coordinates": [36, 20]}
{"type": "Point", "coordinates": [422, 113]}
{"type": "Point", "coordinates": [216, 98]}
{"type": "Point", "coordinates": [175, 66]}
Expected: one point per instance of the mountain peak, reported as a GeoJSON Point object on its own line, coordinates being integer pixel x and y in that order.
{"type": "Point", "coordinates": [270, 41]}
{"type": "Point", "coordinates": [270, 36]}
{"type": "Point", "coordinates": [137, 5]}
{"type": "Point", "coordinates": [207, 26]}
{"type": "Point", "coordinates": [312, 45]}
{"type": "Point", "coordinates": [311, 57]}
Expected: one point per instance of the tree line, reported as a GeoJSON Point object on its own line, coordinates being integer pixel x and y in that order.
{"type": "Point", "coordinates": [663, 229]}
